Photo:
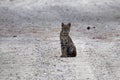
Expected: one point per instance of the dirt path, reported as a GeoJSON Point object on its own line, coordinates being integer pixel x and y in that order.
{"type": "Point", "coordinates": [35, 56]}
{"type": "Point", "coordinates": [30, 46]}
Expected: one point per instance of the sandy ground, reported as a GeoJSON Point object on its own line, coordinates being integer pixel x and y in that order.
{"type": "Point", "coordinates": [30, 45]}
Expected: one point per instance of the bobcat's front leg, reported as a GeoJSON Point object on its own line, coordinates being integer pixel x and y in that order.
{"type": "Point", "coordinates": [64, 52]}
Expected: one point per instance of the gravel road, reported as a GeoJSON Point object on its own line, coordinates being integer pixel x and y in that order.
{"type": "Point", "coordinates": [30, 44]}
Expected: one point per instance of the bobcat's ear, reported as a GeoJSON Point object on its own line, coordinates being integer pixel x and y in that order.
{"type": "Point", "coordinates": [62, 24]}
{"type": "Point", "coordinates": [69, 24]}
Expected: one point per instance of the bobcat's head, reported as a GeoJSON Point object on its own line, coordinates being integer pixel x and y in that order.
{"type": "Point", "coordinates": [66, 28]}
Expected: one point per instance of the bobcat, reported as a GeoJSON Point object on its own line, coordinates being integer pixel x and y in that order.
{"type": "Point", "coordinates": [67, 46]}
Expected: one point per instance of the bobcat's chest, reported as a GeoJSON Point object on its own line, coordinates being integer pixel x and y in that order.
{"type": "Point", "coordinates": [64, 40]}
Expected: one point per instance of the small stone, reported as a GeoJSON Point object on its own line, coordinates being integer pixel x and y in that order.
{"type": "Point", "coordinates": [59, 70]}
{"type": "Point", "coordinates": [11, 0]}
{"type": "Point", "coordinates": [88, 28]}
{"type": "Point", "coordinates": [54, 65]}
{"type": "Point", "coordinates": [35, 74]}
{"type": "Point", "coordinates": [18, 77]}
{"type": "Point", "coordinates": [67, 9]}
{"type": "Point", "coordinates": [16, 73]}
{"type": "Point", "coordinates": [11, 74]}
{"type": "Point", "coordinates": [14, 36]}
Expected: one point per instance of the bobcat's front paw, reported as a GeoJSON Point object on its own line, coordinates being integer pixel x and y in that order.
{"type": "Point", "coordinates": [63, 56]}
